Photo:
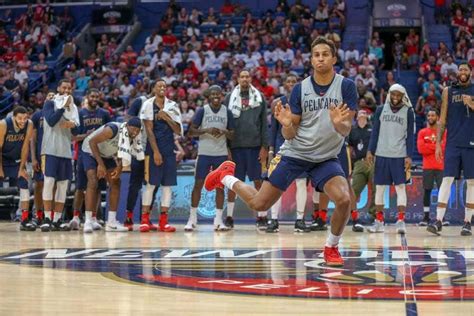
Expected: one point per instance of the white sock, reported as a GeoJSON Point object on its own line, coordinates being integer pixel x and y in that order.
{"type": "Point", "coordinates": [193, 212]}
{"type": "Point", "coordinates": [299, 214]}
{"type": "Point", "coordinates": [47, 215]}
{"type": "Point", "coordinates": [229, 181]}
{"type": "Point", "coordinates": [332, 240]}
{"type": "Point", "coordinates": [468, 214]}
{"type": "Point", "coordinates": [88, 216]}
{"type": "Point", "coordinates": [57, 216]}
{"type": "Point", "coordinates": [230, 208]}
{"type": "Point", "coordinates": [218, 217]}
{"type": "Point", "coordinates": [276, 209]}
{"type": "Point", "coordinates": [301, 196]}
{"type": "Point", "coordinates": [440, 211]}
{"type": "Point", "coordinates": [262, 214]}
{"type": "Point", "coordinates": [426, 209]}
{"type": "Point", "coordinates": [112, 219]}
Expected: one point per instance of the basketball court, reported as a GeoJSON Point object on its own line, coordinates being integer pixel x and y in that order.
{"type": "Point", "coordinates": [238, 272]}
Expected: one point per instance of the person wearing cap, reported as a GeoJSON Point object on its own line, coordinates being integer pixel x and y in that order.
{"type": "Point", "coordinates": [363, 173]}
{"type": "Point", "coordinates": [105, 151]}
{"type": "Point", "coordinates": [214, 125]}
{"type": "Point", "coordinates": [391, 146]}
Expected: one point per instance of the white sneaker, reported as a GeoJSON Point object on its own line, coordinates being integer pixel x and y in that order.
{"type": "Point", "coordinates": [376, 228]}
{"type": "Point", "coordinates": [95, 224]}
{"type": "Point", "coordinates": [401, 227]}
{"type": "Point", "coordinates": [115, 227]}
{"type": "Point", "coordinates": [88, 227]}
{"type": "Point", "coordinates": [75, 223]}
{"type": "Point", "coordinates": [191, 225]}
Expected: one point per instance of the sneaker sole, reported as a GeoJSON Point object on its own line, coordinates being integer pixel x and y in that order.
{"type": "Point", "coordinates": [298, 230]}
{"type": "Point", "coordinates": [357, 230]}
{"type": "Point", "coordinates": [463, 233]}
{"type": "Point", "coordinates": [272, 231]}
{"type": "Point", "coordinates": [433, 230]}
{"type": "Point", "coordinates": [209, 174]}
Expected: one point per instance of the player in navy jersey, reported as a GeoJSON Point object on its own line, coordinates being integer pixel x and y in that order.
{"type": "Point", "coordinates": [275, 141]}
{"type": "Point", "coordinates": [457, 116]}
{"type": "Point", "coordinates": [91, 118]}
{"type": "Point", "coordinates": [137, 172]}
{"type": "Point", "coordinates": [214, 125]}
{"type": "Point", "coordinates": [35, 148]}
{"type": "Point", "coordinates": [320, 115]}
{"type": "Point", "coordinates": [15, 134]}
{"type": "Point", "coordinates": [162, 119]}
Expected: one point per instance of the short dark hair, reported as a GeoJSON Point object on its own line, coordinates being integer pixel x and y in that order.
{"type": "Point", "coordinates": [158, 80]}
{"type": "Point", "coordinates": [19, 110]}
{"type": "Point", "coordinates": [91, 90]}
{"type": "Point", "coordinates": [62, 81]}
{"type": "Point", "coordinates": [434, 110]}
{"type": "Point", "coordinates": [323, 40]}
{"type": "Point", "coordinates": [465, 63]}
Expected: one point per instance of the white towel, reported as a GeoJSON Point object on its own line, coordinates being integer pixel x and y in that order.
{"type": "Point", "coordinates": [401, 89]}
{"type": "Point", "coordinates": [170, 107]}
{"type": "Point", "coordinates": [235, 102]}
{"type": "Point", "coordinates": [126, 149]}
{"type": "Point", "coordinates": [71, 114]}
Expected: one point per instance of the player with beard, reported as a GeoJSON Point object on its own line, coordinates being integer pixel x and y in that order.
{"type": "Point", "coordinates": [214, 125]}
{"type": "Point", "coordinates": [392, 144]}
{"type": "Point", "coordinates": [15, 134]}
{"type": "Point", "coordinates": [91, 118]}
{"type": "Point", "coordinates": [432, 168]}
{"type": "Point", "coordinates": [314, 126]}
{"type": "Point", "coordinates": [61, 119]}
{"type": "Point", "coordinates": [457, 116]}
{"type": "Point", "coordinates": [101, 161]}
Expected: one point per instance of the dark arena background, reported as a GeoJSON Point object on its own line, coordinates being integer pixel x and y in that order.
{"type": "Point", "coordinates": [231, 260]}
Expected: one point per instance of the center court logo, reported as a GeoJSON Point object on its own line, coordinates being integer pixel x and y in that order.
{"type": "Point", "coordinates": [379, 273]}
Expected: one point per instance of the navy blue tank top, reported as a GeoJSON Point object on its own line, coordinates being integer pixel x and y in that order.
{"type": "Point", "coordinates": [163, 134]}
{"type": "Point", "coordinates": [460, 118]}
{"type": "Point", "coordinates": [12, 143]}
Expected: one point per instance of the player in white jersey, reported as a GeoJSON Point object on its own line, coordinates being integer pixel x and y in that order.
{"type": "Point", "coordinates": [322, 109]}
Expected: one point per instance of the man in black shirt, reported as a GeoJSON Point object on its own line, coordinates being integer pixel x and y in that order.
{"type": "Point", "coordinates": [363, 172]}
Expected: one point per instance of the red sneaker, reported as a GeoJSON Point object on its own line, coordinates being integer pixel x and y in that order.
{"type": "Point", "coordinates": [146, 225]}
{"type": "Point", "coordinates": [333, 257]}
{"type": "Point", "coordinates": [164, 226]}
{"type": "Point", "coordinates": [214, 178]}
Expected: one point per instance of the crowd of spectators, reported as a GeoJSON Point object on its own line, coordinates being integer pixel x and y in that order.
{"type": "Point", "coordinates": [26, 42]}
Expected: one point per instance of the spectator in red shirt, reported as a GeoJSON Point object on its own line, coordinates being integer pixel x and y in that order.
{"type": "Point", "coordinates": [458, 19]}
{"type": "Point", "coordinates": [129, 56]}
{"type": "Point", "coordinates": [228, 8]}
{"type": "Point", "coordinates": [169, 39]}
{"type": "Point", "coordinates": [39, 11]}
{"type": "Point", "coordinates": [175, 92]}
{"type": "Point", "coordinates": [432, 168]}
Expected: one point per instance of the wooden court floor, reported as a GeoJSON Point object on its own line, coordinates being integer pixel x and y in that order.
{"type": "Point", "coordinates": [234, 273]}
